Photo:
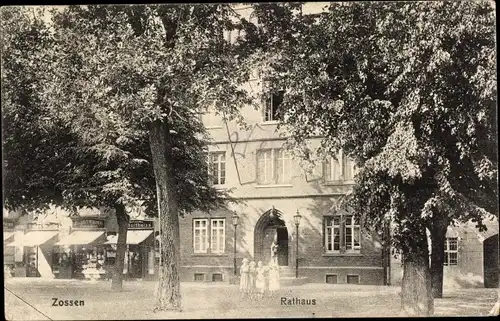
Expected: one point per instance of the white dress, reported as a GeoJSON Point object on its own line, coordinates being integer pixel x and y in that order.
{"type": "Point", "coordinates": [244, 277]}
{"type": "Point", "coordinates": [274, 278]}
{"type": "Point", "coordinates": [260, 280]}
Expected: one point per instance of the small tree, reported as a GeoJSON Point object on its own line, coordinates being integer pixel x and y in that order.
{"type": "Point", "coordinates": [408, 91]}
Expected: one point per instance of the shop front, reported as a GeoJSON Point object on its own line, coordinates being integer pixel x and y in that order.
{"type": "Point", "coordinates": [140, 254]}
{"type": "Point", "coordinates": [8, 250]}
{"type": "Point", "coordinates": [81, 254]}
{"type": "Point", "coordinates": [37, 245]}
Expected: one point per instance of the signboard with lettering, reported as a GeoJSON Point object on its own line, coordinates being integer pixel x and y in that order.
{"type": "Point", "coordinates": [140, 225]}
{"type": "Point", "coordinates": [88, 223]}
{"type": "Point", "coordinates": [45, 226]}
{"type": "Point", "coordinates": [8, 225]}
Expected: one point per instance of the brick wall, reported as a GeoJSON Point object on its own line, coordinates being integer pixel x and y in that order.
{"type": "Point", "coordinates": [313, 261]}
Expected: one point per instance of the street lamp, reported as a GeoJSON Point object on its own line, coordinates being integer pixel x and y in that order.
{"type": "Point", "coordinates": [235, 224]}
{"type": "Point", "coordinates": [296, 219]}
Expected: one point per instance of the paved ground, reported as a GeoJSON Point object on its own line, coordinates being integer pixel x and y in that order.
{"type": "Point", "coordinates": [222, 301]}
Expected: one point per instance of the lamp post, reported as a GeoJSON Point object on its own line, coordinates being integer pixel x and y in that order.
{"type": "Point", "coordinates": [296, 219]}
{"type": "Point", "coordinates": [235, 224]}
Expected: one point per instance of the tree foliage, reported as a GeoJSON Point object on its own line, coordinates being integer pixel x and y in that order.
{"type": "Point", "coordinates": [407, 90]}
{"type": "Point", "coordinates": [131, 82]}
{"type": "Point", "coordinates": [35, 152]}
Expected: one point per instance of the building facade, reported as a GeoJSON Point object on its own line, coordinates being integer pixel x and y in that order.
{"type": "Point", "coordinates": [471, 257]}
{"type": "Point", "coordinates": [328, 246]}
{"type": "Point", "coordinates": [272, 188]}
{"type": "Point", "coordinates": [55, 245]}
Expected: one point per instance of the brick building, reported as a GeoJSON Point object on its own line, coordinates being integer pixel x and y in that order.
{"type": "Point", "coordinates": [272, 187]}
{"type": "Point", "coordinates": [471, 257]}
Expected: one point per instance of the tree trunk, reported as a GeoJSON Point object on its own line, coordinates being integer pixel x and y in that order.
{"type": "Point", "coordinates": [121, 245]}
{"type": "Point", "coordinates": [438, 238]}
{"type": "Point", "coordinates": [416, 289]}
{"type": "Point", "coordinates": [168, 294]}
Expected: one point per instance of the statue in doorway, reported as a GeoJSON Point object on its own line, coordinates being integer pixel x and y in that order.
{"type": "Point", "coordinates": [274, 250]}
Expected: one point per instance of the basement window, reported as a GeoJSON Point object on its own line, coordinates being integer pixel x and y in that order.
{"type": "Point", "coordinates": [352, 279]}
{"type": "Point", "coordinates": [199, 277]}
{"type": "Point", "coordinates": [217, 277]}
{"type": "Point", "coordinates": [332, 279]}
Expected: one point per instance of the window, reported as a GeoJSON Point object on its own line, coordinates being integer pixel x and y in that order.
{"type": "Point", "coordinates": [218, 236]}
{"type": "Point", "coordinates": [199, 277]}
{"type": "Point", "coordinates": [342, 234]}
{"type": "Point", "coordinates": [352, 279]}
{"type": "Point", "coordinates": [332, 234]}
{"type": "Point", "coordinates": [217, 168]}
{"type": "Point", "coordinates": [274, 166]}
{"type": "Point", "coordinates": [451, 251]}
{"type": "Point", "coordinates": [340, 169]}
{"type": "Point", "coordinates": [217, 277]}
{"type": "Point", "coordinates": [200, 234]}
{"type": "Point", "coordinates": [207, 236]}
{"type": "Point", "coordinates": [351, 234]}
{"type": "Point", "coordinates": [273, 102]}
{"type": "Point", "coordinates": [331, 279]}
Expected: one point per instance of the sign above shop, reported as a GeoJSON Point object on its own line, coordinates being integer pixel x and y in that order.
{"type": "Point", "coordinates": [44, 226]}
{"type": "Point", "coordinates": [140, 225]}
{"type": "Point", "coordinates": [87, 222]}
{"type": "Point", "coordinates": [8, 225]}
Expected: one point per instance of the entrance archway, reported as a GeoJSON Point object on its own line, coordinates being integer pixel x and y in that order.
{"type": "Point", "coordinates": [490, 262]}
{"type": "Point", "coordinates": [269, 226]}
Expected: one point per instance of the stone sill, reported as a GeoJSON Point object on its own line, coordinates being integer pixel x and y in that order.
{"type": "Point", "coordinates": [273, 186]}
{"type": "Point", "coordinates": [268, 123]}
{"type": "Point", "coordinates": [342, 254]}
{"type": "Point", "coordinates": [338, 183]}
{"type": "Point", "coordinates": [209, 254]}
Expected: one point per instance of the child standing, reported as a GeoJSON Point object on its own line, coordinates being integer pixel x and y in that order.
{"type": "Point", "coordinates": [251, 282]}
{"type": "Point", "coordinates": [244, 277]}
{"type": "Point", "coordinates": [274, 279]}
{"type": "Point", "coordinates": [260, 280]}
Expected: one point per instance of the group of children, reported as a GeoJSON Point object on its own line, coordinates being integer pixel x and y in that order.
{"type": "Point", "coordinates": [255, 280]}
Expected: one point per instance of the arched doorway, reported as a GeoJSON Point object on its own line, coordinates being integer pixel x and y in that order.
{"type": "Point", "coordinates": [490, 262]}
{"type": "Point", "coordinates": [269, 226]}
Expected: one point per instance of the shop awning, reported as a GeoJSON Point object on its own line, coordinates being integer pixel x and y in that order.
{"type": "Point", "coordinates": [81, 238]}
{"type": "Point", "coordinates": [33, 238]}
{"type": "Point", "coordinates": [7, 235]}
{"type": "Point", "coordinates": [133, 237]}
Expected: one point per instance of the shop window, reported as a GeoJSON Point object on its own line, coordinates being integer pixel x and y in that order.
{"type": "Point", "coordinates": [352, 279]}
{"type": "Point", "coordinates": [217, 168]}
{"type": "Point", "coordinates": [274, 166]}
{"type": "Point", "coordinates": [451, 251]}
{"type": "Point", "coordinates": [110, 257]}
{"type": "Point", "coordinates": [342, 234]}
{"type": "Point", "coordinates": [199, 277]}
{"type": "Point", "coordinates": [217, 277]}
{"type": "Point", "coordinates": [331, 278]}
